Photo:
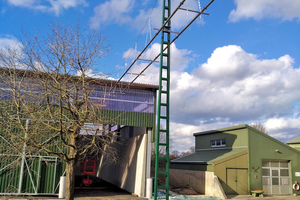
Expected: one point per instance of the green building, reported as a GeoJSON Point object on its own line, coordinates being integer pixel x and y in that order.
{"type": "Point", "coordinates": [236, 160]}
{"type": "Point", "coordinates": [295, 143]}
{"type": "Point", "coordinates": [128, 115]}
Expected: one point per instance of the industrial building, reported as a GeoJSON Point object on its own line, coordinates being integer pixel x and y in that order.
{"type": "Point", "coordinates": [132, 113]}
{"type": "Point", "coordinates": [236, 160]}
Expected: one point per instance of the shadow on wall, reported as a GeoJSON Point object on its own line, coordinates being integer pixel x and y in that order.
{"type": "Point", "coordinates": [194, 179]}
{"type": "Point", "coordinates": [203, 182]}
{"type": "Point", "coordinates": [129, 173]}
{"type": "Point", "coordinates": [197, 170]}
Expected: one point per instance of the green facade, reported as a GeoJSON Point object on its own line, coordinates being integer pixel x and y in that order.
{"type": "Point", "coordinates": [232, 172]}
{"type": "Point", "coordinates": [241, 160]}
{"type": "Point", "coordinates": [31, 173]}
{"type": "Point", "coordinates": [234, 138]}
{"type": "Point", "coordinates": [263, 147]}
{"type": "Point", "coordinates": [127, 118]}
{"type": "Point", "coordinates": [40, 174]}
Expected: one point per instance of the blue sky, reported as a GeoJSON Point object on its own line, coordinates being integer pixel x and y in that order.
{"type": "Point", "coordinates": [240, 64]}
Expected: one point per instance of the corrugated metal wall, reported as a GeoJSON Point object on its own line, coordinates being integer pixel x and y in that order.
{"type": "Point", "coordinates": [32, 175]}
{"type": "Point", "coordinates": [21, 173]}
{"type": "Point", "coordinates": [40, 174]}
{"type": "Point", "coordinates": [129, 118]}
{"type": "Point", "coordinates": [9, 175]}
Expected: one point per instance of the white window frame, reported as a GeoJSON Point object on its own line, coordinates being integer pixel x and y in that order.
{"type": "Point", "coordinates": [214, 143]}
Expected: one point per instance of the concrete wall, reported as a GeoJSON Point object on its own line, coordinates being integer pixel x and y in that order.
{"type": "Point", "coordinates": [203, 182]}
{"type": "Point", "coordinates": [129, 174]}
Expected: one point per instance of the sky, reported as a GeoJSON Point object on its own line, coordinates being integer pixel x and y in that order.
{"type": "Point", "coordinates": [237, 65]}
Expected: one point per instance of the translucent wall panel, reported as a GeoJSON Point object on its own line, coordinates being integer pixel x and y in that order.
{"type": "Point", "coordinates": [133, 100]}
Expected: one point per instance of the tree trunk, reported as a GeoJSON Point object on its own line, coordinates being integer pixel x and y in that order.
{"type": "Point", "coordinates": [70, 180]}
{"type": "Point", "coordinates": [70, 172]}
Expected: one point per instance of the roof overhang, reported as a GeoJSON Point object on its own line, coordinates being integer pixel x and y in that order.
{"type": "Point", "coordinates": [205, 157]}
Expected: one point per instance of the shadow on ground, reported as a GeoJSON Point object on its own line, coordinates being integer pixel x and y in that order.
{"type": "Point", "coordinates": [100, 190]}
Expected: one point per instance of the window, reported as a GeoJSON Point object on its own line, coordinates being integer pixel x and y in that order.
{"type": "Point", "coordinates": [218, 143]}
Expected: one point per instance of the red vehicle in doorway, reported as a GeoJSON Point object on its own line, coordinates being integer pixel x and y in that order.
{"type": "Point", "coordinates": [88, 168]}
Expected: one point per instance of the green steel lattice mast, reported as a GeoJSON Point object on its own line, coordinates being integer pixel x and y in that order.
{"type": "Point", "coordinates": [162, 129]}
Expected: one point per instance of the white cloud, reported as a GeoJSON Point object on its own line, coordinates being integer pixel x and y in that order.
{"type": "Point", "coordinates": [236, 84]}
{"type": "Point", "coordinates": [11, 48]}
{"type": "Point", "coordinates": [10, 45]}
{"type": "Point", "coordinates": [226, 64]}
{"type": "Point", "coordinates": [92, 74]}
{"type": "Point", "coordinates": [9, 42]}
{"type": "Point", "coordinates": [130, 54]}
{"type": "Point", "coordinates": [179, 62]}
{"type": "Point", "coordinates": [129, 12]}
{"type": "Point", "coordinates": [112, 11]}
{"type": "Point", "coordinates": [259, 9]}
{"type": "Point", "coordinates": [231, 87]}
{"type": "Point", "coordinates": [52, 6]}
{"type": "Point", "coordinates": [181, 135]}
{"type": "Point", "coordinates": [283, 128]}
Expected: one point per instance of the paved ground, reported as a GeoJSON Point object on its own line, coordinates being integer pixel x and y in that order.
{"type": "Point", "coordinates": [104, 193]}
{"type": "Point", "coordinates": [246, 197]}
{"type": "Point", "coordinates": [122, 195]}
{"type": "Point", "coordinates": [107, 193]}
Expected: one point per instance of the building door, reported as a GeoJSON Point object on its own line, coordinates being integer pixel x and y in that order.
{"type": "Point", "coordinates": [237, 181]}
{"type": "Point", "coordinates": [276, 178]}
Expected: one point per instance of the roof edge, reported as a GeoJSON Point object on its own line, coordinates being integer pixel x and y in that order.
{"type": "Point", "coordinates": [222, 130]}
{"type": "Point", "coordinates": [98, 81]}
{"type": "Point", "coordinates": [191, 162]}
{"type": "Point", "coordinates": [294, 141]}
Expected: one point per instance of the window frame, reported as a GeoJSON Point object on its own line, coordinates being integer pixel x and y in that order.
{"type": "Point", "coordinates": [218, 143]}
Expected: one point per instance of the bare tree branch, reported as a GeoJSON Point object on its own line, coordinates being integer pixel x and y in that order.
{"type": "Point", "coordinates": [45, 97]}
{"type": "Point", "coordinates": [260, 127]}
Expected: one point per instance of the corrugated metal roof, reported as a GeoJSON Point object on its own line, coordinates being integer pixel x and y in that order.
{"type": "Point", "coordinates": [208, 156]}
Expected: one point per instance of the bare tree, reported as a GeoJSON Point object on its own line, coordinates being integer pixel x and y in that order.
{"type": "Point", "coordinates": [260, 127]}
{"type": "Point", "coordinates": [45, 97]}
{"type": "Point", "coordinates": [162, 149]}
{"type": "Point", "coordinates": [192, 149]}
{"type": "Point", "coordinates": [174, 154]}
